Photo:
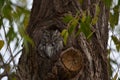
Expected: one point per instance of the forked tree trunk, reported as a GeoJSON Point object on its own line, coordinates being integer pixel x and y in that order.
{"type": "Point", "coordinates": [50, 59]}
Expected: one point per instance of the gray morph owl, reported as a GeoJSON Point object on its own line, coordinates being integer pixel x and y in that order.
{"type": "Point", "coordinates": [51, 43]}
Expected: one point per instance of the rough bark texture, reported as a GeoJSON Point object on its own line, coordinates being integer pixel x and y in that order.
{"type": "Point", "coordinates": [42, 62]}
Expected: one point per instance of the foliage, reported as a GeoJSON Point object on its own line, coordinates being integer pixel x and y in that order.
{"type": "Point", "coordinates": [1, 44]}
{"type": "Point", "coordinates": [14, 16]}
{"type": "Point", "coordinates": [86, 21]}
{"type": "Point", "coordinates": [114, 37]}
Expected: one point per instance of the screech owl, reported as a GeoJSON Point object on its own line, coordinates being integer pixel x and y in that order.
{"type": "Point", "coordinates": [51, 43]}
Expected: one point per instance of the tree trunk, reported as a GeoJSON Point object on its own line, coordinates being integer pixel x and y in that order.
{"type": "Point", "coordinates": [50, 59]}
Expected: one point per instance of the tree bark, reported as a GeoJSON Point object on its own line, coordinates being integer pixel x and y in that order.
{"type": "Point", "coordinates": [44, 61]}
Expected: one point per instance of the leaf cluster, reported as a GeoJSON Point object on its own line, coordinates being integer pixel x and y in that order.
{"type": "Point", "coordinates": [83, 22]}
{"type": "Point", "coordinates": [14, 17]}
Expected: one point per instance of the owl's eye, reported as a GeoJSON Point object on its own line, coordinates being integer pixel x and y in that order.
{"type": "Point", "coordinates": [53, 43]}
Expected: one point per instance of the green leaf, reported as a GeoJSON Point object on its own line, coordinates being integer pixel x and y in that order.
{"type": "Point", "coordinates": [1, 44]}
{"type": "Point", "coordinates": [68, 18]}
{"type": "Point", "coordinates": [114, 19]}
{"type": "Point", "coordinates": [88, 20]}
{"type": "Point", "coordinates": [83, 16]}
{"type": "Point", "coordinates": [116, 14]}
{"type": "Point", "coordinates": [11, 35]}
{"type": "Point", "coordinates": [118, 78]}
{"type": "Point", "coordinates": [115, 77]}
{"type": "Point", "coordinates": [119, 2]}
{"type": "Point", "coordinates": [63, 32]}
{"type": "Point", "coordinates": [1, 19]}
{"type": "Point", "coordinates": [72, 26]}
{"type": "Point", "coordinates": [25, 21]}
{"type": "Point", "coordinates": [90, 35]}
{"type": "Point", "coordinates": [26, 39]}
{"type": "Point", "coordinates": [118, 47]}
{"type": "Point", "coordinates": [7, 12]}
{"type": "Point", "coordinates": [85, 28]}
{"type": "Point", "coordinates": [65, 36]}
{"type": "Point", "coordinates": [1, 4]}
{"type": "Point", "coordinates": [97, 11]}
{"type": "Point", "coordinates": [94, 20]}
{"type": "Point", "coordinates": [117, 42]}
{"type": "Point", "coordinates": [111, 19]}
{"type": "Point", "coordinates": [108, 3]}
{"type": "Point", "coordinates": [80, 1]}
{"type": "Point", "coordinates": [114, 38]}
{"type": "Point", "coordinates": [116, 8]}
